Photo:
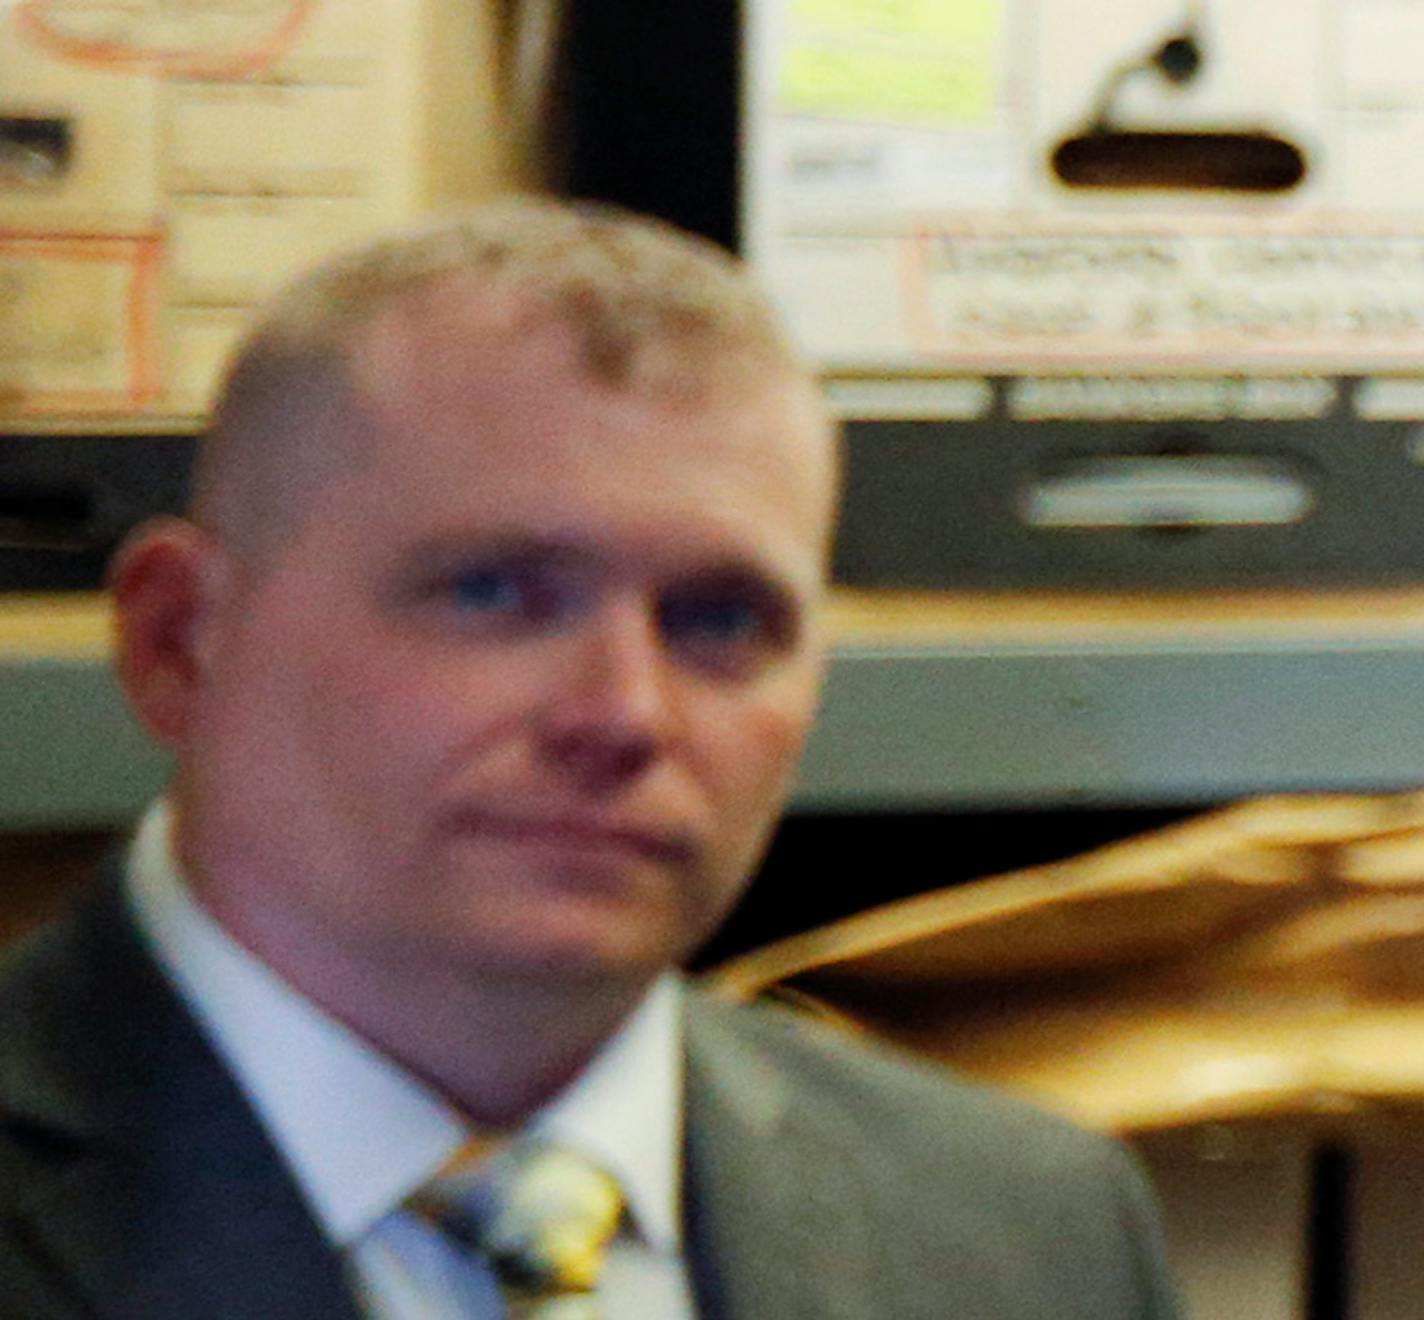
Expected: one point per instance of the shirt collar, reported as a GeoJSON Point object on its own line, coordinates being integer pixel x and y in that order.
{"type": "Point", "coordinates": [357, 1130]}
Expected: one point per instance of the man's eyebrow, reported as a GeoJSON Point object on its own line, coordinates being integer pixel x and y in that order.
{"type": "Point", "coordinates": [453, 548]}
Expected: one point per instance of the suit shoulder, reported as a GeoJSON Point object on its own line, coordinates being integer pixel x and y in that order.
{"type": "Point", "coordinates": [879, 1083]}
{"type": "Point", "coordinates": [950, 1170]}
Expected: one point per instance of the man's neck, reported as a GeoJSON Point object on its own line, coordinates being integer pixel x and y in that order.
{"type": "Point", "coordinates": [497, 1047]}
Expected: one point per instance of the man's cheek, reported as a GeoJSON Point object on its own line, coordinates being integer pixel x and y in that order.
{"type": "Point", "coordinates": [770, 739]}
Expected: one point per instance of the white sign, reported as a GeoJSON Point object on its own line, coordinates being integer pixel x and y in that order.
{"type": "Point", "coordinates": [910, 201]}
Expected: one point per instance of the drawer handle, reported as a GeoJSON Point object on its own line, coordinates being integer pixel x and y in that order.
{"type": "Point", "coordinates": [34, 151]}
{"type": "Point", "coordinates": [1170, 492]}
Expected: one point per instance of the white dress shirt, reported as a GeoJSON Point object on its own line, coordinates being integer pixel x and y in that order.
{"type": "Point", "coordinates": [360, 1134]}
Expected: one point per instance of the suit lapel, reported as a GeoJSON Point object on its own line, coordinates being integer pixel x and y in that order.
{"type": "Point", "coordinates": [159, 1197]}
{"type": "Point", "coordinates": [775, 1190]}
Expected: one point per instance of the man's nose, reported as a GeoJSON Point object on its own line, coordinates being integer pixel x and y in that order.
{"type": "Point", "coordinates": [614, 710]}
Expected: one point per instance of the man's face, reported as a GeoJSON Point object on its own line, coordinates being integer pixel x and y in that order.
{"type": "Point", "coordinates": [525, 690]}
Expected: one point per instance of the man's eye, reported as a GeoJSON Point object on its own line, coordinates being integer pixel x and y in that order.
{"type": "Point", "coordinates": [487, 590]}
{"type": "Point", "coordinates": [712, 617]}
{"type": "Point", "coordinates": [507, 595]}
{"type": "Point", "coordinates": [728, 631]}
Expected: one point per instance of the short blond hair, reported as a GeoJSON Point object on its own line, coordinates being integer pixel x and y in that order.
{"type": "Point", "coordinates": [649, 303]}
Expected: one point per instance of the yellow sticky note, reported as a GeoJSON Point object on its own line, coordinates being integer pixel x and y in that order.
{"type": "Point", "coordinates": [919, 60]}
{"type": "Point", "coordinates": [885, 84]}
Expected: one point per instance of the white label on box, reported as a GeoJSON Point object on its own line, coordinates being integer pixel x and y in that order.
{"type": "Point", "coordinates": [269, 138]}
{"type": "Point", "coordinates": [77, 322]}
{"type": "Point", "coordinates": [909, 152]}
{"type": "Point", "coordinates": [237, 250]}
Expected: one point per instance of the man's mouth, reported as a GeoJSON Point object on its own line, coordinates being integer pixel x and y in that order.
{"type": "Point", "coordinates": [575, 834]}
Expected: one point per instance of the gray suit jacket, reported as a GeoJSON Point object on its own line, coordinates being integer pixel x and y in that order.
{"type": "Point", "coordinates": [824, 1182]}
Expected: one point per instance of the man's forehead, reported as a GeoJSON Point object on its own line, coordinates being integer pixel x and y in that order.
{"type": "Point", "coordinates": [444, 325]}
{"type": "Point", "coordinates": [467, 324]}
{"type": "Point", "coordinates": [460, 360]}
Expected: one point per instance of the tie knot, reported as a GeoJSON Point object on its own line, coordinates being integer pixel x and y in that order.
{"type": "Point", "coordinates": [541, 1216]}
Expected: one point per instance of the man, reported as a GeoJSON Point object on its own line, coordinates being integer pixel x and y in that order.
{"type": "Point", "coordinates": [486, 658]}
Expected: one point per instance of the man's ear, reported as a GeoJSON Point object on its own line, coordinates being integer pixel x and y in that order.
{"type": "Point", "coordinates": [166, 581]}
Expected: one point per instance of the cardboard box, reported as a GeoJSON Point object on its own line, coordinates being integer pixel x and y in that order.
{"type": "Point", "coordinates": [162, 168]}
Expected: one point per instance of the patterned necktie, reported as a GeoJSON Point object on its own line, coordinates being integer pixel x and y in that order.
{"type": "Point", "coordinates": [540, 1216]}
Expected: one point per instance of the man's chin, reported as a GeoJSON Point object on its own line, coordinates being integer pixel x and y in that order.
{"type": "Point", "coordinates": [566, 918]}
{"type": "Point", "coordinates": [556, 952]}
